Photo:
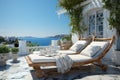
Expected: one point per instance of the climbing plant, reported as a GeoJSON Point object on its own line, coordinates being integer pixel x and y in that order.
{"type": "Point", "coordinates": [74, 11]}
{"type": "Point", "coordinates": [114, 20]}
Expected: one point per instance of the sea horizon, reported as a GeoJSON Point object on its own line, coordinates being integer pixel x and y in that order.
{"type": "Point", "coordinates": [40, 41]}
{"type": "Point", "coordinates": [46, 41]}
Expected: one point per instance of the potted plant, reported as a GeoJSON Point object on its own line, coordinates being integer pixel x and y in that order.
{"type": "Point", "coordinates": [14, 53]}
{"type": "Point", "coordinates": [4, 50]}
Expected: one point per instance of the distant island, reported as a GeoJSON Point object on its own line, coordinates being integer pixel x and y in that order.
{"type": "Point", "coordinates": [58, 36]}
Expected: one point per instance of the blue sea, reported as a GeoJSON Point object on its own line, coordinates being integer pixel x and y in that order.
{"type": "Point", "coordinates": [40, 41]}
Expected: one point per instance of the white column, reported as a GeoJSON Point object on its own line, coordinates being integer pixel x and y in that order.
{"type": "Point", "coordinates": [54, 42]}
{"type": "Point", "coordinates": [75, 38]}
{"type": "Point", "coordinates": [95, 23]}
{"type": "Point", "coordinates": [22, 47]}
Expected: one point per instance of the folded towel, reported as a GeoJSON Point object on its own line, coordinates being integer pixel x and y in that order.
{"type": "Point", "coordinates": [63, 63]}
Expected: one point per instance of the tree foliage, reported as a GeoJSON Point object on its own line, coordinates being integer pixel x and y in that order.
{"type": "Point", "coordinates": [2, 39]}
{"type": "Point", "coordinates": [114, 7]}
{"type": "Point", "coordinates": [74, 11]}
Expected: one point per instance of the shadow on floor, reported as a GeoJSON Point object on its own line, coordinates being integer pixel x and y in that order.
{"type": "Point", "coordinates": [77, 73]}
{"type": "Point", "coordinates": [14, 62]}
{"type": "Point", "coordinates": [6, 67]}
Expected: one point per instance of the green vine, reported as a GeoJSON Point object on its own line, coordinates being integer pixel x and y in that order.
{"type": "Point", "coordinates": [74, 11]}
{"type": "Point", "coordinates": [114, 7]}
{"type": "Point", "coordinates": [114, 20]}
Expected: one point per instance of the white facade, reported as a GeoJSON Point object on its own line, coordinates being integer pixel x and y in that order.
{"type": "Point", "coordinates": [96, 20]}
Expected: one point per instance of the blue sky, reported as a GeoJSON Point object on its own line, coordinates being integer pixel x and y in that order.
{"type": "Point", "coordinates": [31, 18]}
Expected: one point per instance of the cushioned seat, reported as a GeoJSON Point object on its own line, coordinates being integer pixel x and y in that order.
{"type": "Point", "coordinates": [36, 58]}
{"type": "Point", "coordinates": [92, 50]}
{"type": "Point", "coordinates": [79, 58]}
{"type": "Point", "coordinates": [75, 58]}
{"type": "Point", "coordinates": [66, 51]}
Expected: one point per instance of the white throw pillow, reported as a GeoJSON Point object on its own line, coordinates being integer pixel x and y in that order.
{"type": "Point", "coordinates": [78, 46]}
{"type": "Point", "coordinates": [98, 51]}
{"type": "Point", "coordinates": [90, 50]}
{"type": "Point", "coordinates": [103, 45]}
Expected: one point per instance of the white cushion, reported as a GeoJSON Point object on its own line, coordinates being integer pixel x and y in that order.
{"type": "Point", "coordinates": [66, 51]}
{"type": "Point", "coordinates": [41, 52]}
{"type": "Point", "coordinates": [79, 58]}
{"type": "Point", "coordinates": [90, 50]}
{"type": "Point", "coordinates": [78, 46]}
{"type": "Point", "coordinates": [36, 58]}
{"type": "Point", "coordinates": [103, 45]}
{"type": "Point", "coordinates": [75, 58]}
{"type": "Point", "coordinates": [99, 47]}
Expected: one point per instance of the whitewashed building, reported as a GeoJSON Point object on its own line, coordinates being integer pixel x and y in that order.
{"type": "Point", "coordinates": [95, 18]}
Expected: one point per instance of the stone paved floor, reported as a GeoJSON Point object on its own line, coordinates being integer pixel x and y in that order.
{"type": "Point", "coordinates": [21, 71]}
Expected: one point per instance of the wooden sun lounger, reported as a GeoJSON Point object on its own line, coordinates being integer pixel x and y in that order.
{"type": "Point", "coordinates": [40, 73]}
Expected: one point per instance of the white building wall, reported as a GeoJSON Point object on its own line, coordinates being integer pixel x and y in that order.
{"type": "Point", "coordinates": [75, 38]}
{"type": "Point", "coordinates": [107, 32]}
{"type": "Point", "coordinates": [95, 5]}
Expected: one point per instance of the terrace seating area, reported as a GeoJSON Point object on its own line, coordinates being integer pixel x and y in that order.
{"type": "Point", "coordinates": [35, 43]}
{"type": "Point", "coordinates": [21, 71]}
{"type": "Point", "coordinates": [92, 54]}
